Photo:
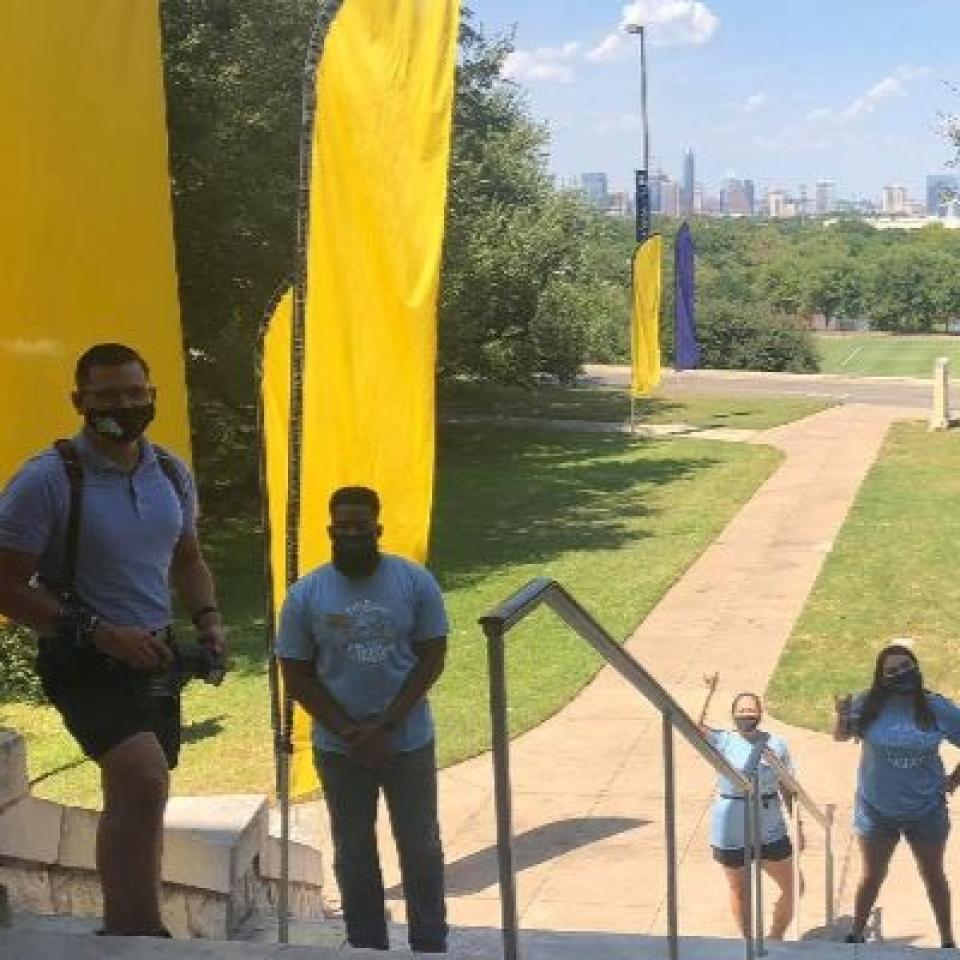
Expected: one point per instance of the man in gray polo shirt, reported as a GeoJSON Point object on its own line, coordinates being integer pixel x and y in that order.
{"type": "Point", "coordinates": [100, 656]}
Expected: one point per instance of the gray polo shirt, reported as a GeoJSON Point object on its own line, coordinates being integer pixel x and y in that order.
{"type": "Point", "coordinates": [130, 524]}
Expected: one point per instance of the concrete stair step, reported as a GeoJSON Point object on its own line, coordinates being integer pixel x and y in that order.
{"type": "Point", "coordinates": [55, 938]}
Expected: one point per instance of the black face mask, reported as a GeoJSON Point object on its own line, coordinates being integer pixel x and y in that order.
{"type": "Point", "coordinates": [121, 424]}
{"type": "Point", "coordinates": [355, 554]}
{"type": "Point", "coordinates": [906, 682]}
{"type": "Point", "coordinates": [746, 724]}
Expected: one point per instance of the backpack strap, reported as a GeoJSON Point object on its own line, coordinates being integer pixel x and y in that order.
{"type": "Point", "coordinates": [73, 467]}
{"type": "Point", "coordinates": [168, 465]}
{"type": "Point", "coordinates": [70, 459]}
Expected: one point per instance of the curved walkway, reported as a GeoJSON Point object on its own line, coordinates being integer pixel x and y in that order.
{"type": "Point", "coordinates": [588, 791]}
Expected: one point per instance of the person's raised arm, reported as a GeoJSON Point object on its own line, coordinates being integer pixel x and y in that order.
{"type": "Point", "coordinates": [842, 707]}
{"type": "Point", "coordinates": [710, 682]}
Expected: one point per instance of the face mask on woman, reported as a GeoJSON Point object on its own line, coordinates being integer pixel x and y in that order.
{"type": "Point", "coordinates": [906, 681]}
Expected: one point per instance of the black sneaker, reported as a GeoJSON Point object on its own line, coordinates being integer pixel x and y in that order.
{"type": "Point", "coordinates": [854, 938]}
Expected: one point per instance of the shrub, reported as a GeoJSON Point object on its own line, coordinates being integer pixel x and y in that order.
{"type": "Point", "coordinates": [744, 338]}
{"type": "Point", "coordinates": [18, 674]}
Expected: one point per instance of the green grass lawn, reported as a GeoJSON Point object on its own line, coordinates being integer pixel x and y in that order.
{"type": "Point", "coordinates": [613, 405]}
{"type": "Point", "coordinates": [893, 572]}
{"type": "Point", "coordinates": [616, 520]}
{"type": "Point", "coordinates": [883, 355]}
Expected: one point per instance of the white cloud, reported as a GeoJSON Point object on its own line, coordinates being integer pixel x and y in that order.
{"type": "Point", "coordinates": [829, 127]}
{"type": "Point", "coordinates": [891, 86]}
{"type": "Point", "coordinates": [673, 21]}
{"type": "Point", "coordinates": [613, 47]}
{"type": "Point", "coordinates": [546, 64]}
{"type": "Point", "coordinates": [755, 102]}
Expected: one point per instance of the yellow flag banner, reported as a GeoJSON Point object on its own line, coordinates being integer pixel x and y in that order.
{"type": "Point", "coordinates": [377, 200]}
{"type": "Point", "coordinates": [647, 282]}
{"type": "Point", "coordinates": [86, 247]}
{"type": "Point", "coordinates": [275, 407]}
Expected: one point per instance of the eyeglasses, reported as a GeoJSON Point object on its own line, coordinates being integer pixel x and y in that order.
{"type": "Point", "coordinates": [110, 395]}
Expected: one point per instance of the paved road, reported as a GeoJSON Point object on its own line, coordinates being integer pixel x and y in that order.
{"type": "Point", "coordinates": [885, 391]}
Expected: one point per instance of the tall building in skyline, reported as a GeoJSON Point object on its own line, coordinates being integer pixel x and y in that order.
{"type": "Point", "coordinates": [826, 197]}
{"type": "Point", "coordinates": [671, 199]}
{"type": "Point", "coordinates": [736, 198]}
{"type": "Point", "coordinates": [657, 182]}
{"type": "Point", "coordinates": [894, 199]}
{"type": "Point", "coordinates": [778, 204]}
{"type": "Point", "coordinates": [595, 188]}
{"type": "Point", "coordinates": [943, 191]}
{"type": "Point", "coordinates": [689, 183]}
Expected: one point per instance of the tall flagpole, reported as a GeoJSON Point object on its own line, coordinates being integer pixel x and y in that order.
{"type": "Point", "coordinates": [642, 182]}
{"type": "Point", "coordinates": [325, 15]}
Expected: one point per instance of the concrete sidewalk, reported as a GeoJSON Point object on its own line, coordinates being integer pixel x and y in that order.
{"type": "Point", "coordinates": [588, 788]}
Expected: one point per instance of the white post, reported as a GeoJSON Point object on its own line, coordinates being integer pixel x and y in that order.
{"type": "Point", "coordinates": [940, 417]}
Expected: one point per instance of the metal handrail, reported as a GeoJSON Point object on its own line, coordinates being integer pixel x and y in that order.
{"type": "Point", "coordinates": [824, 819]}
{"type": "Point", "coordinates": [496, 624]}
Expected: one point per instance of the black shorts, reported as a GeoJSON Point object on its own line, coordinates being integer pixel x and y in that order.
{"type": "Point", "coordinates": [781, 849]}
{"type": "Point", "coordinates": [103, 702]}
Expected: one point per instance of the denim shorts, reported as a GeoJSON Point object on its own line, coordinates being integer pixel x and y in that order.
{"type": "Point", "coordinates": [781, 849]}
{"type": "Point", "coordinates": [929, 829]}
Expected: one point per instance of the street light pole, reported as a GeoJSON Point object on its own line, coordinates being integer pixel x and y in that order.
{"type": "Point", "coordinates": [642, 195]}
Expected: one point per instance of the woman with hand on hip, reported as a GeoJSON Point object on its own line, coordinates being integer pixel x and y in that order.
{"type": "Point", "coordinates": [727, 826]}
{"type": "Point", "coordinates": [901, 784]}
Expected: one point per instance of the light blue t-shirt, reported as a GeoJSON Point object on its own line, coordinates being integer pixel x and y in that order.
{"type": "Point", "coordinates": [726, 826]}
{"type": "Point", "coordinates": [130, 523]}
{"type": "Point", "coordinates": [901, 774]}
{"type": "Point", "coordinates": [360, 633]}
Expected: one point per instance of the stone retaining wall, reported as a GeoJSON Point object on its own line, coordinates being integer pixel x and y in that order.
{"type": "Point", "coordinates": [220, 863]}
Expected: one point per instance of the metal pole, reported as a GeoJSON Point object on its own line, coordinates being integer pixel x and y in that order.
{"type": "Point", "coordinates": [643, 100]}
{"type": "Point", "coordinates": [756, 841]}
{"type": "Point", "coordinates": [828, 842]}
{"type": "Point", "coordinates": [501, 779]}
{"type": "Point", "coordinates": [284, 753]}
{"type": "Point", "coordinates": [796, 869]}
{"type": "Point", "coordinates": [670, 822]}
{"type": "Point", "coordinates": [308, 121]}
{"type": "Point", "coordinates": [642, 184]}
{"type": "Point", "coordinates": [748, 946]}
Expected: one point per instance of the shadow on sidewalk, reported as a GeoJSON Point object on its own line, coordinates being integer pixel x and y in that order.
{"type": "Point", "coordinates": [479, 870]}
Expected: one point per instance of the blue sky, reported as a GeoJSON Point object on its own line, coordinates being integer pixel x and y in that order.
{"type": "Point", "coordinates": [780, 91]}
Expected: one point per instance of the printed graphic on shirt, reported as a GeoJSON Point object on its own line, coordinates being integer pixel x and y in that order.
{"type": "Point", "coordinates": [904, 746]}
{"type": "Point", "coordinates": [369, 633]}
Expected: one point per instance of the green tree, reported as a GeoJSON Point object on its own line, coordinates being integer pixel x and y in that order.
{"type": "Point", "coordinates": [832, 285]}
{"type": "Point", "coordinates": [906, 294]}
{"type": "Point", "coordinates": [233, 77]}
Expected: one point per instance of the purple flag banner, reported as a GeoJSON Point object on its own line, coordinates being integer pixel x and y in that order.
{"type": "Point", "coordinates": [686, 345]}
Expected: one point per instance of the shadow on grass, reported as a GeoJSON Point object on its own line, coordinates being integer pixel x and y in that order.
{"type": "Point", "coordinates": [584, 402]}
{"type": "Point", "coordinates": [535, 496]}
{"type": "Point", "coordinates": [478, 871]}
{"type": "Point", "coordinates": [202, 729]}
{"type": "Point", "coordinates": [505, 497]}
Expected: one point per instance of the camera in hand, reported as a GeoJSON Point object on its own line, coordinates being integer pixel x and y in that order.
{"type": "Point", "coordinates": [191, 661]}
{"type": "Point", "coordinates": [199, 661]}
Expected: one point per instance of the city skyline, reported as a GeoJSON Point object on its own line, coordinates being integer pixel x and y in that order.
{"type": "Point", "coordinates": [780, 94]}
{"type": "Point", "coordinates": [823, 194]}
{"type": "Point", "coordinates": [739, 197]}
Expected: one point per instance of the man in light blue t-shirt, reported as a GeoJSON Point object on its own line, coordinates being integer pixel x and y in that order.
{"type": "Point", "coordinates": [362, 640]}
